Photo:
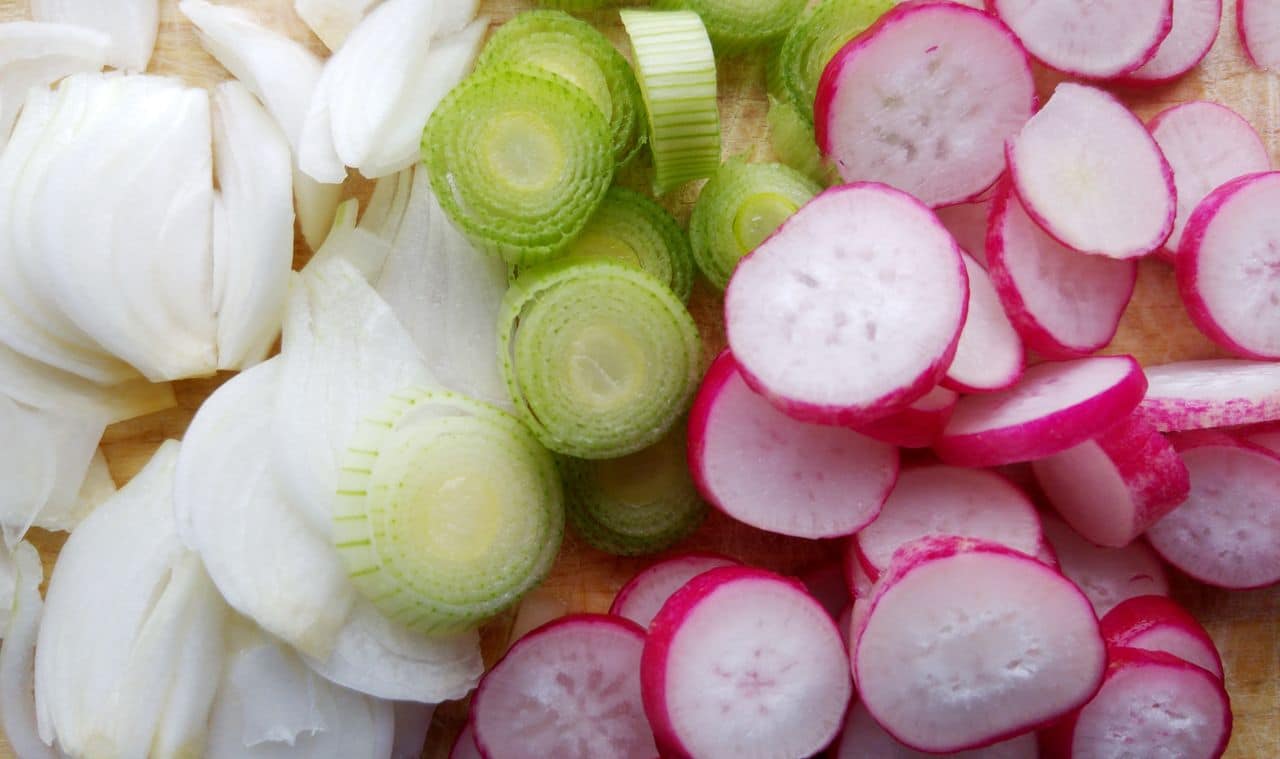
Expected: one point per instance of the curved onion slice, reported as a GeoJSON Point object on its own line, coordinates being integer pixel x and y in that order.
{"type": "Point", "coordinates": [34, 54]}
{"type": "Point", "coordinates": [131, 25]}
{"type": "Point", "coordinates": [37, 384]}
{"type": "Point", "coordinates": [332, 20]}
{"type": "Point", "coordinates": [17, 658]}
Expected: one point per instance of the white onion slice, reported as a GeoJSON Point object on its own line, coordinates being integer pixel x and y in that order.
{"type": "Point", "coordinates": [35, 54]}
{"type": "Point", "coordinates": [332, 20]}
{"type": "Point", "coordinates": [17, 657]}
{"type": "Point", "coordinates": [131, 25]}
{"type": "Point", "coordinates": [37, 384]}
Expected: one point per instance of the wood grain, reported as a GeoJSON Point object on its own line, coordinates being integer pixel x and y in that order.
{"type": "Point", "coordinates": [1246, 626]}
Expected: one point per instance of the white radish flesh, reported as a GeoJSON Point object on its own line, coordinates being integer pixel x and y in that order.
{"type": "Point", "coordinates": [643, 595]}
{"type": "Point", "coordinates": [35, 54]}
{"type": "Point", "coordinates": [1195, 27]}
{"type": "Point", "coordinates": [917, 425]}
{"type": "Point", "coordinates": [1197, 395]}
{"type": "Point", "coordinates": [1088, 38]}
{"type": "Point", "coordinates": [1106, 575]}
{"type": "Point", "coordinates": [1259, 24]}
{"type": "Point", "coordinates": [1155, 623]}
{"type": "Point", "coordinates": [989, 356]}
{"type": "Point", "coordinates": [862, 738]}
{"type": "Point", "coordinates": [131, 25]}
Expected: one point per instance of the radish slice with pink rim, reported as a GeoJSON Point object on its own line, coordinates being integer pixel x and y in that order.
{"type": "Point", "coordinates": [772, 472]}
{"type": "Point", "coordinates": [1105, 190]}
{"type": "Point", "coordinates": [1197, 395]}
{"type": "Point", "coordinates": [855, 572]}
{"type": "Point", "coordinates": [643, 595]}
{"type": "Point", "coordinates": [1112, 488]}
{"type": "Point", "coordinates": [852, 309]}
{"type": "Point", "coordinates": [1056, 406]}
{"type": "Point", "coordinates": [967, 643]}
{"type": "Point", "coordinates": [1259, 24]}
{"type": "Point", "coordinates": [1107, 576]}
{"type": "Point", "coordinates": [1228, 265]}
{"type": "Point", "coordinates": [1195, 27]}
{"type": "Point", "coordinates": [743, 662]}
{"type": "Point", "coordinates": [989, 356]}
{"type": "Point", "coordinates": [917, 425]}
{"type": "Point", "coordinates": [1155, 623]}
{"type": "Point", "coordinates": [1091, 39]}
{"type": "Point", "coordinates": [862, 738]}
{"type": "Point", "coordinates": [967, 223]}
{"type": "Point", "coordinates": [924, 100]}
{"type": "Point", "coordinates": [569, 689]}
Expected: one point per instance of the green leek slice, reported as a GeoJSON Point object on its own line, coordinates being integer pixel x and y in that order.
{"type": "Point", "coordinates": [577, 5]}
{"type": "Point", "coordinates": [739, 25]}
{"type": "Point", "coordinates": [793, 142]}
{"type": "Point", "coordinates": [814, 41]}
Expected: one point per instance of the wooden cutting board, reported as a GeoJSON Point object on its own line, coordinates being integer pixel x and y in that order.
{"type": "Point", "coordinates": [1246, 626]}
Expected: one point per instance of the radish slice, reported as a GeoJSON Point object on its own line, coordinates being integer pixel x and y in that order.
{"type": "Point", "coordinates": [1197, 395]}
{"type": "Point", "coordinates": [1151, 704]}
{"type": "Point", "coordinates": [464, 747]}
{"type": "Point", "coordinates": [1089, 38]}
{"type": "Point", "coordinates": [1112, 488]}
{"type": "Point", "coordinates": [989, 356]}
{"type": "Point", "coordinates": [1105, 190]}
{"type": "Point", "coordinates": [643, 595]}
{"type": "Point", "coordinates": [941, 500]}
{"type": "Point", "coordinates": [1195, 27]}
{"type": "Point", "coordinates": [855, 571]}
{"type": "Point", "coordinates": [1259, 24]}
{"type": "Point", "coordinates": [1228, 262]}
{"type": "Point", "coordinates": [1155, 623]}
{"type": "Point", "coordinates": [569, 689]}
{"type": "Point", "coordinates": [1056, 406]}
{"type": "Point", "coordinates": [1063, 303]}
{"type": "Point", "coordinates": [1227, 533]}
{"type": "Point", "coordinates": [743, 662]}
{"type": "Point", "coordinates": [924, 101]}
{"type": "Point", "coordinates": [1206, 145]}
{"type": "Point", "coordinates": [1106, 575]}
{"type": "Point", "coordinates": [966, 643]}
{"type": "Point", "coordinates": [967, 222]}
{"type": "Point", "coordinates": [770, 471]}
{"type": "Point", "coordinates": [917, 425]}
{"type": "Point", "coordinates": [862, 738]}
{"type": "Point", "coordinates": [852, 309]}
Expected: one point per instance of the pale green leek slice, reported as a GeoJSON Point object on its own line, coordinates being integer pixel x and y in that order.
{"type": "Point", "coordinates": [793, 142]}
{"type": "Point", "coordinates": [815, 39]}
{"type": "Point", "coordinates": [739, 25]}
{"type": "Point", "coordinates": [577, 5]}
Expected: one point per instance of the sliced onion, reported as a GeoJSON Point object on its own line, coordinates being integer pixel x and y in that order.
{"type": "Point", "coordinates": [332, 20]}
{"type": "Point", "coordinates": [34, 54]}
{"type": "Point", "coordinates": [17, 657]}
{"type": "Point", "coordinates": [131, 25]}
{"type": "Point", "coordinates": [37, 384]}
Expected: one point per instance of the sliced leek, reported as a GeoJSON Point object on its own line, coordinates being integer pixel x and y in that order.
{"type": "Point", "coordinates": [737, 25]}
{"type": "Point", "coordinates": [793, 142]}
{"type": "Point", "coordinates": [815, 39]}
{"type": "Point", "coordinates": [577, 5]}
{"type": "Point", "coordinates": [448, 510]}
{"type": "Point", "coordinates": [600, 358]}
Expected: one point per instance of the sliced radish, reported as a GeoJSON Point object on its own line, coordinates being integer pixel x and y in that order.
{"type": "Point", "coordinates": [1056, 406]}
{"type": "Point", "coordinates": [1206, 145]}
{"type": "Point", "coordinates": [1259, 25]}
{"type": "Point", "coordinates": [1105, 189]}
{"type": "Point", "coordinates": [770, 471]}
{"type": "Point", "coordinates": [464, 746]}
{"type": "Point", "coordinates": [855, 572]}
{"type": "Point", "coordinates": [1063, 303]}
{"type": "Point", "coordinates": [967, 643]}
{"type": "Point", "coordinates": [862, 738]}
{"type": "Point", "coordinates": [1151, 704]}
{"type": "Point", "coordinates": [924, 100]}
{"type": "Point", "coordinates": [967, 222]}
{"type": "Point", "coordinates": [917, 425]}
{"type": "Point", "coordinates": [1267, 437]}
{"type": "Point", "coordinates": [1106, 575]}
{"type": "Point", "coordinates": [643, 595]}
{"type": "Point", "coordinates": [1228, 265]}
{"type": "Point", "coordinates": [1094, 39]}
{"type": "Point", "coordinates": [743, 662]}
{"type": "Point", "coordinates": [827, 585]}
{"type": "Point", "coordinates": [1195, 27]}
{"type": "Point", "coordinates": [1112, 488]}
{"type": "Point", "coordinates": [1227, 533]}
{"type": "Point", "coordinates": [1156, 623]}
{"type": "Point", "coordinates": [1197, 395]}
{"type": "Point", "coordinates": [852, 309]}
{"type": "Point", "coordinates": [943, 500]}
{"type": "Point", "coordinates": [570, 689]}
{"type": "Point", "coordinates": [989, 355]}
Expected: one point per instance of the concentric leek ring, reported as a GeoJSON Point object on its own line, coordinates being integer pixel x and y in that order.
{"type": "Point", "coordinates": [814, 41]}
{"type": "Point", "coordinates": [735, 26]}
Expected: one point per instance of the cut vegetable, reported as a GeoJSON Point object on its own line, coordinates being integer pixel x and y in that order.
{"type": "Point", "coordinates": [989, 355]}
{"type": "Point", "coordinates": [1197, 395]}
{"type": "Point", "coordinates": [1106, 190]}
{"type": "Point", "coordinates": [1258, 22]}
{"type": "Point", "coordinates": [1155, 623]}
{"type": "Point", "coordinates": [855, 574]}
{"type": "Point", "coordinates": [862, 738]}
{"type": "Point", "coordinates": [1093, 40]}
{"type": "Point", "coordinates": [1195, 27]}
{"type": "Point", "coordinates": [742, 205]}
{"type": "Point", "coordinates": [130, 25]}
{"type": "Point", "coordinates": [911, 102]}
{"type": "Point", "coordinates": [815, 39]}
{"type": "Point", "coordinates": [17, 657]}
{"type": "Point", "coordinates": [643, 595]}
{"type": "Point", "coordinates": [967, 222]}
{"type": "Point", "coordinates": [568, 689]}
{"type": "Point", "coordinates": [735, 27]}
{"type": "Point", "coordinates": [917, 425]}
{"type": "Point", "coordinates": [967, 643]}
{"type": "Point", "coordinates": [1056, 406]}
{"type": "Point", "coordinates": [1106, 575]}
{"type": "Point", "coordinates": [793, 141]}
{"type": "Point", "coordinates": [600, 359]}
{"type": "Point", "coordinates": [42, 386]}
{"type": "Point", "coordinates": [332, 20]}
{"type": "Point", "coordinates": [677, 73]}
{"type": "Point", "coordinates": [464, 746]}
{"type": "Point", "coordinates": [852, 310]}
{"type": "Point", "coordinates": [37, 55]}
{"type": "Point", "coordinates": [770, 471]}
{"type": "Point", "coordinates": [743, 662]}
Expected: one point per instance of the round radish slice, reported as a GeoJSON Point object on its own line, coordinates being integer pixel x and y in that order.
{"type": "Point", "coordinates": [1206, 145]}
{"type": "Point", "coordinates": [942, 500]}
{"type": "Point", "coordinates": [862, 738]}
{"type": "Point", "coordinates": [568, 689]}
{"type": "Point", "coordinates": [1063, 303]}
{"type": "Point", "coordinates": [855, 571]}
{"type": "Point", "coordinates": [1197, 395]}
{"type": "Point", "coordinates": [1259, 25]}
{"type": "Point", "coordinates": [464, 746]}
{"type": "Point", "coordinates": [643, 595]}
{"type": "Point", "coordinates": [1195, 27]}
{"type": "Point", "coordinates": [917, 425]}
{"type": "Point", "coordinates": [770, 471]}
{"type": "Point", "coordinates": [1112, 488]}
{"type": "Point", "coordinates": [1229, 265]}
{"type": "Point", "coordinates": [989, 355]}
{"type": "Point", "coordinates": [1151, 704]}
{"type": "Point", "coordinates": [1056, 406]}
{"type": "Point", "coordinates": [967, 222]}
{"type": "Point", "coordinates": [1094, 39]}
{"type": "Point", "coordinates": [1106, 575]}
{"type": "Point", "coordinates": [1155, 623]}
{"type": "Point", "coordinates": [967, 643]}
{"type": "Point", "coordinates": [852, 309]}
{"type": "Point", "coordinates": [1227, 533]}
{"type": "Point", "coordinates": [742, 662]}
{"type": "Point", "coordinates": [1105, 189]}
{"type": "Point", "coordinates": [924, 101]}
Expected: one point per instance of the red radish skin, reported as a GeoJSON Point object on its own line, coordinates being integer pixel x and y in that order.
{"type": "Point", "coordinates": [1063, 303]}
{"type": "Point", "coordinates": [862, 738]}
{"type": "Point", "coordinates": [1198, 395]}
{"type": "Point", "coordinates": [1151, 704]}
{"type": "Point", "coordinates": [1228, 265]}
{"type": "Point", "coordinates": [1195, 27]}
{"type": "Point", "coordinates": [924, 100]}
{"type": "Point", "coordinates": [1056, 406]}
{"type": "Point", "coordinates": [827, 585]}
{"type": "Point", "coordinates": [1105, 190]}
{"type": "Point", "coordinates": [852, 310]}
{"type": "Point", "coordinates": [1268, 438]}
{"type": "Point", "coordinates": [989, 356]}
{"type": "Point", "coordinates": [464, 746]}
{"type": "Point", "coordinates": [1107, 576]}
{"type": "Point", "coordinates": [967, 223]}
{"type": "Point", "coordinates": [743, 662]}
{"type": "Point", "coordinates": [855, 571]}
{"type": "Point", "coordinates": [1155, 623]}
{"type": "Point", "coordinates": [568, 689]}
{"type": "Point", "coordinates": [643, 595]}
{"type": "Point", "coordinates": [1207, 145]}
{"type": "Point", "coordinates": [1259, 24]}
{"type": "Point", "coordinates": [967, 643]}
{"type": "Point", "coordinates": [1091, 39]}
{"type": "Point", "coordinates": [1112, 488]}
{"type": "Point", "coordinates": [917, 425]}
{"type": "Point", "coordinates": [772, 472]}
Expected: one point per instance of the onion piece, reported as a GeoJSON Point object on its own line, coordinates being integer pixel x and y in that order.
{"type": "Point", "coordinates": [131, 25]}
{"type": "Point", "coordinates": [34, 54]}
{"type": "Point", "coordinates": [332, 20]}
{"type": "Point", "coordinates": [17, 657]}
{"type": "Point", "coordinates": [37, 384]}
